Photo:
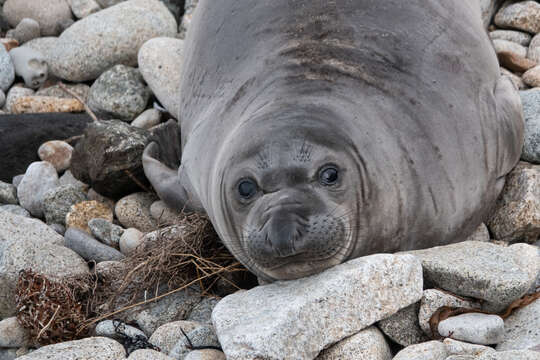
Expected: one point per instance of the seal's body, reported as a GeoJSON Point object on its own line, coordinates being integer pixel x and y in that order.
{"type": "Point", "coordinates": [315, 131]}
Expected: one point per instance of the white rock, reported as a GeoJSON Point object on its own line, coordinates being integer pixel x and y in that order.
{"type": "Point", "coordinates": [475, 328]}
{"type": "Point", "coordinates": [522, 329]}
{"type": "Point", "coordinates": [431, 350]}
{"type": "Point", "coordinates": [7, 70]}
{"type": "Point", "coordinates": [39, 178]}
{"type": "Point", "coordinates": [534, 49]}
{"type": "Point", "coordinates": [147, 119]}
{"type": "Point", "coordinates": [19, 228]}
{"type": "Point", "coordinates": [109, 37]}
{"type": "Point", "coordinates": [95, 348]}
{"type": "Point", "coordinates": [129, 240]}
{"type": "Point", "coordinates": [368, 344]}
{"type": "Point", "coordinates": [297, 319]}
{"type": "Point", "coordinates": [454, 347]}
{"type": "Point", "coordinates": [160, 63]}
{"type": "Point", "coordinates": [13, 334]}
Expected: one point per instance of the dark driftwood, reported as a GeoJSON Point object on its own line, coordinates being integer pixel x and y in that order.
{"type": "Point", "coordinates": [21, 136]}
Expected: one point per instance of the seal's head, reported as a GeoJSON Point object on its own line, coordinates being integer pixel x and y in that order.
{"type": "Point", "coordinates": [289, 198]}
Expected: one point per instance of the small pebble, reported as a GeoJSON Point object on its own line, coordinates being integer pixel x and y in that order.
{"type": "Point", "coordinates": [14, 93]}
{"type": "Point", "coordinates": [8, 194]}
{"type": "Point", "coordinates": [115, 329]}
{"type": "Point", "coordinates": [44, 104]}
{"type": "Point", "coordinates": [57, 202]}
{"type": "Point", "coordinates": [40, 177]}
{"type": "Point", "coordinates": [133, 211]}
{"type": "Point", "coordinates": [58, 153]}
{"type": "Point", "coordinates": [474, 328]}
{"type": "Point", "coordinates": [130, 239]}
{"type": "Point", "coordinates": [28, 29]}
{"type": "Point", "coordinates": [106, 232]}
{"type": "Point", "coordinates": [147, 119]}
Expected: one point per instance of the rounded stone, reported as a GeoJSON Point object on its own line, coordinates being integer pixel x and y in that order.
{"type": "Point", "coordinates": [80, 214]}
{"type": "Point", "coordinates": [160, 63]}
{"type": "Point", "coordinates": [147, 354]}
{"type": "Point", "coordinates": [206, 354]}
{"type": "Point", "coordinates": [69, 179]}
{"type": "Point", "coordinates": [49, 14]}
{"type": "Point", "coordinates": [511, 35]}
{"type": "Point", "coordinates": [83, 8]}
{"type": "Point", "coordinates": [403, 327]}
{"type": "Point", "coordinates": [109, 37]}
{"type": "Point", "coordinates": [523, 15]}
{"type": "Point", "coordinates": [16, 209]}
{"type": "Point", "coordinates": [147, 119]}
{"type": "Point", "coordinates": [89, 248]}
{"type": "Point", "coordinates": [13, 334]}
{"type": "Point", "coordinates": [82, 90]}
{"type": "Point", "coordinates": [368, 344]}
{"type": "Point", "coordinates": [531, 111]}
{"type": "Point", "coordinates": [106, 232]}
{"type": "Point", "coordinates": [57, 202]}
{"type": "Point", "coordinates": [133, 211]}
{"type": "Point", "coordinates": [510, 46]}
{"type": "Point", "coordinates": [57, 152]}
{"type": "Point", "coordinates": [17, 91]}
{"type": "Point", "coordinates": [7, 70]}
{"type": "Point", "coordinates": [19, 227]}
{"type": "Point", "coordinates": [45, 45]}
{"type": "Point", "coordinates": [164, 214]}
{"type": "Point", "coordinates": [8, 194]}
{"type": "Point", "coordinates": [474, 328]}
{"type": "Point", "coordinates": [532, 77]}
{"type": "Point", "coordinates": [119, 93]}
{"type": "Point", "coordinates": [130, 240]}
{"type": "Point", "coordinates": [40, 177]}
{"type": "Point", "coordinates": [534, 49]}
{"type": "Point", "coordinates": [115, 329]}
{"type": "Point", "coordinates": [95, 348]}
{"type": "Point", "coordinates": [26, 30]}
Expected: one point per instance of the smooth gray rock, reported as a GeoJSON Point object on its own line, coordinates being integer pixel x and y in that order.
{"type": "Point", "coordinates": [69, 179]}
{"type": "Point", "coordinates": [39, 178]}
{"type": "Point", "coordinates": [19, 228]}
{"type": "Point", "coordinates": [147, 119]}
{"type": "Point", "coordinates": [277, 321]}
{"type": "Point", "coordinates": [519, 37]}
{"type": "Point", "coordinates": [474, 328]}
{"type": "Point", "coordinates": [522, 329]}
{"type": "Point", "coordinates": [510, 46]}
{"type": "Point", "coordinates": [16, 209]}
{"type": "Point", "coordinates": [531, 111]}
{"type": "Point", "coordinates": [172, 341]}
{"type": "Point", "coordinates": [202, 312]}
{"type": "Point", "coordinates": [57, 202]}
{"type": "Point", "coordinates": [59, 228]}
{"type": "Point", "coordinates": [499, 275]}
{"type": "Point", "coordinates": [133, 211]}
{"type": "Point", "coordinates": [368, 344]}
{"type": "Point", "coordinates": [522, 15]}
{"type": "Point", "coordinates": [160, 63]}
{"type": "Point", "coordinates": [8, 354]}
{"type": "Point", "coordinates": [15, 92]}
{"type": "Point", "coordinates": [129, 241]}
{"type": "Point", "coordinates": [7, 70]}
{"type": "Point", "coordinates": [31, 65]}
{"type": "Point", "coordinates": [49, 17]}
{"type": "Point", "coordinates": [95, 348]}
{"type": "Point", "coordinates": [534, 49]}
{"type": "Point", "coordinates": [119, 93]}
{"type": "Point", "coordinates": [115, 329]}
{"type": "Point", "coordinates": [26, 30]}
{"type": "Point", "coordinates": [106, 232]}
{"type": "Point", "coordinates": [109, 37]}
{"type": "Point", "coordinates": [8, 194]}
{"type": "Point", "coordinates": [83, 8]}
{"type": "Point", "coordinates": [174, 307]}
{"type": "Point", "coordinates": [403, 326]}
{"type": "Point", "coordinates": [431, 350]}
{"type": "Point", "coordinates": [432, 300]}
{"type": "Point", "coordinates": [51, 260]}
{"type": "Point", "coordinates": [106, 152]}
{"type": "Point", "coordinates": [13, 334]}
{"type": "Point", "coordinates": [89, 248]}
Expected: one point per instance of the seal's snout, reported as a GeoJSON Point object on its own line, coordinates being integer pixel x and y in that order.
{"type": "Point", "coordinates": [282, 232]}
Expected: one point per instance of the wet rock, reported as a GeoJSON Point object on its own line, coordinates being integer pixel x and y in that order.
{"type": "Point", "coordinates": [26, 30]}
{"type": "Point", "coordinates": [81, 213]}
{"type": "Point", "coordinates": [473, 328]}
{"type": "Point", "coordinates": [147, 119]}
{"type": "Point", "coordinates": [431, 350]}
{"type": "Point", "coordinates": [8, 194]}
{"type": "Point", "coordinates": [499, 275]}
{"type": "Point", "coordinates": [160, 63]}
{"type": "Point", "coordinates": [108, 154]}
{"type": "Point", "coordinates": [368, 344]}
{"type": "Point", "coordinates": [517, 213]}
{"type": "Point", "coordinates": [45, 104]}
{"type": "Point", "coordinates": [110, 37]}
{"type": "Point", "coordinates": [519, 37]}
{"type": "Point", "coordinates": [41, 256]}
{"type": "Point", "coordinates": [531, 110]}
{"type": "Point", "coordinates": [89, 248]}
{"type": "Point", "coordinates": [119, 93]}
{"type": "Point", "coordinates": [403, 326]}
{"type": "Point", "coordinates": [39, 178]}
{"type": "Point", "coordinates": [56, 152]}
{"type": "Point", "coordinates": [523, 15]}
{"type": "Point", "coordinates": [131, 238]}
{"type": "Point", "coordinates": [133, 211]}
{"type": "Point", "coordinates": [49, 17]}
{"type": "Point", "coordinates": [171, 340]}
{"type": "Point", "coordinates": [433, 299]}
{"type": "Point", "coordinates": [95, 348]}
{"type": "Point", "coordinates": [57, 202]}
{"type": "Point", "coordinates": [7, 70]}
{"type": "Point", "coordinates": [521, 329]}
{"type": "Point", "coordinates": [382, 283]}
{"type": "Point", "coordinates": [106, 232]}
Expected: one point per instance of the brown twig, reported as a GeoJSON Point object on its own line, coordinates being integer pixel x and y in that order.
{"type": "Point", "coordinates": [48, 324]}
{"type": "Point", "coordinates": [78, 98]}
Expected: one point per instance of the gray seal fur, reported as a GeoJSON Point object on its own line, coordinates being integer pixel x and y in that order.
{"type": "Point", "coordinates": [402, 99]}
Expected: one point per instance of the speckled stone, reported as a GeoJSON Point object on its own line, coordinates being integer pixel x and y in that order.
{"type": "Point", "coordinates": [147, 354]}
{"type": "Point", "coordinates": [522, 329]}
{"type": "Point", "coordinates": [26, 30]}
{"type": "Point", "coordinates": [474, 328]}
{"type": "Point", "coordinates": [40, 177]}
{"type": "Point", "coordinates": [131, 238]}
{"type": "Point", "coordinates": [114, 330]}
{"type": "Point", "coordinates": [532, 77]}
{"type": "Point", "coordinates": [57, 152]}
{"type": "Point", "coordinates": [368, 344]}
{"type": "Point", "coordinates": [7, 70]}
{"type": "Point", "coordinates": [517, 214]}
{"type": "Point", "coordinates": [13, 334]}
{"type": "Point", "coordinates": [8, 194]}
{"type": "Point", "coordinates": [81, 90]}
{"type": "Point", "coordinates": [207, 354]}
{"type": "Point", "coordinates": [519, 37]}
{"type": "Point", "coordinates": [49, 15]}
{"type": "Point", "coordinates": [403, 326]}
{"type": "Point", "coordinates": [133, 211]}
{"type": "Point", "coordinates": [163, 214]}
{"type": "Point", "coordinates": [106, 232]}
{"type": "Point", "coordinates": [531, 111]}
{"type": "Point", "coordinates": [18, 228]}
{"type": "Point", "coordinates": [80, 214]}
{"type": "Point", "coordinates": [16, 91]}
{"type": "Point", "coordinates": [69, 179]}
{"type": "Point", "coordinates": [431, 350]}
{"type": "Point", "coordinates": [95, 348]}
{"type": "Point", "coordinates": [83, 8]}
{"type": "Point", "coordinates": [16, 209]}
{"type": "Point", "coordinates": [534, 49]}
{"type": "Point", "coordinates": [57, 202]}
{"type": "Point", "coordinates": [202, 312]}
{"type": "Point", "coordinates": [45, 104]}
{"type": "Point", "coordinates": [523, 15]}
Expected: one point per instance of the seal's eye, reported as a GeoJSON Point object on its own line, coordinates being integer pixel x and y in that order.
{"type": "Point", "coordinates": [328, 176]}
{"type": "Point", "coordinates": [247, 188]}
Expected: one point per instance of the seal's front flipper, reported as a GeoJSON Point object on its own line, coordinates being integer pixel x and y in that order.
{"type": "Point", "coordinates": [510, 125]}
{"type": "Point", "coordinates": [161, 159]}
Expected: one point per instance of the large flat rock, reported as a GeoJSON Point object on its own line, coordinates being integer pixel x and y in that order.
{"type": "Point", "coordinates": [299, 318]}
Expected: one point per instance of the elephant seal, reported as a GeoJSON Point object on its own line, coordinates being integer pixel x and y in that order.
{"type": "Point", "coordinates": [316, 131]}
